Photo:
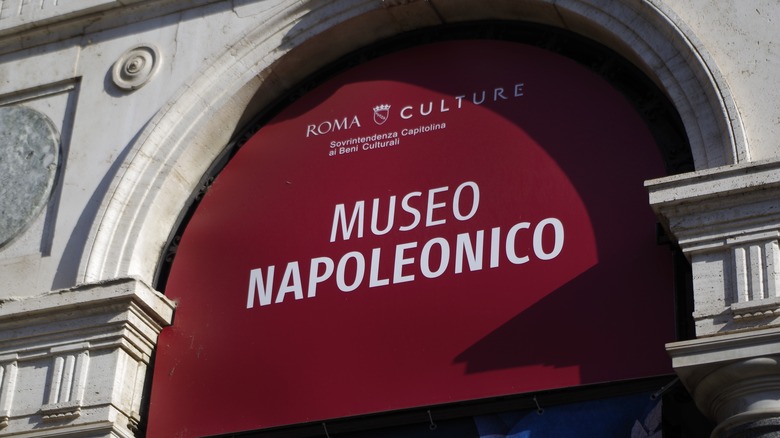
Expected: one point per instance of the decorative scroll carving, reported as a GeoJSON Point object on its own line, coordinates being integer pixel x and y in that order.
{"type": "Point", "coordinates": [135, 67]}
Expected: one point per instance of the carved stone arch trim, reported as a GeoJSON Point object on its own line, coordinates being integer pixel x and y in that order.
{"type": "Point", "coordinates": [177, 148]}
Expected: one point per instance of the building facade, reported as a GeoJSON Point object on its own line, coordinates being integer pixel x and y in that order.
{"type": "Point", "coordinates": [116, 114]}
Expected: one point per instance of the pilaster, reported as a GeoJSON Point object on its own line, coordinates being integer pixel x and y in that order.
{"type": "Point", "coordinates": [73, 362]}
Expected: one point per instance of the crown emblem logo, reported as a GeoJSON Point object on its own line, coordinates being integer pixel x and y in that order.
{"type": "Point", "coordinates": [381, 113]}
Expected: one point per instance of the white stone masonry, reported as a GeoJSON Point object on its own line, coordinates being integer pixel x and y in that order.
{"type": "Point", "coordinates": [73, 362]}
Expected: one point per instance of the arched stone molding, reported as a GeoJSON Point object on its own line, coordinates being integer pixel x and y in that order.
{"type": "Point", "coordinates": [294, 39]}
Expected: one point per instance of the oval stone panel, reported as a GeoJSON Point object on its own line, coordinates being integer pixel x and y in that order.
{"type": "Point", "coordinates": [29, 160]}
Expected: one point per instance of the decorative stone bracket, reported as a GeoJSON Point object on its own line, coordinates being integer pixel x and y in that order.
{"type": "Point", "coordinates": [83, 352]}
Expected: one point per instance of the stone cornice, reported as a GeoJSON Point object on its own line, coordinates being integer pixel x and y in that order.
{"type": "Point", "coordinates": [30, 23]}
{"type": "Point", "coordinates": [713, 183]}
{"type": "Point", "coordinates": [36, 326]}
{"type": "Point", "coordinates": [721, 206]}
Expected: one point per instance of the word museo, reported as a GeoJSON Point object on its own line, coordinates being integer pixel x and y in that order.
{"type": "Point", "coordinates": [434, 257]}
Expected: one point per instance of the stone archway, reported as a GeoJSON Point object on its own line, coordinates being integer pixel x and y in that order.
{"type": "Point", "coordinates": [178, 146]}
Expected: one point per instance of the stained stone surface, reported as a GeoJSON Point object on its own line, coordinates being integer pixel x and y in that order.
{"type": "Point", "coordinates": [29, 156]}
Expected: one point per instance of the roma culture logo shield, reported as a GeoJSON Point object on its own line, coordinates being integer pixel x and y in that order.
{"type": "Point", "coordinates": [381, 113]}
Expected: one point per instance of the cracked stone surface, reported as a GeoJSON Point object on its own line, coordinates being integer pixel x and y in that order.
{"type": "Point", "coordinates": [29, 158]}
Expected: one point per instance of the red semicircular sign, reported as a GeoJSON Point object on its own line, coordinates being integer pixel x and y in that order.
{"type": "Point", "coordinates": [450, 222]}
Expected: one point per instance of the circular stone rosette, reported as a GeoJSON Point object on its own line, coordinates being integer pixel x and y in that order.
{"type": "Point", "coordinates": [135, 67]}
{"type": "Point", "coordinates": [29, 159]}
